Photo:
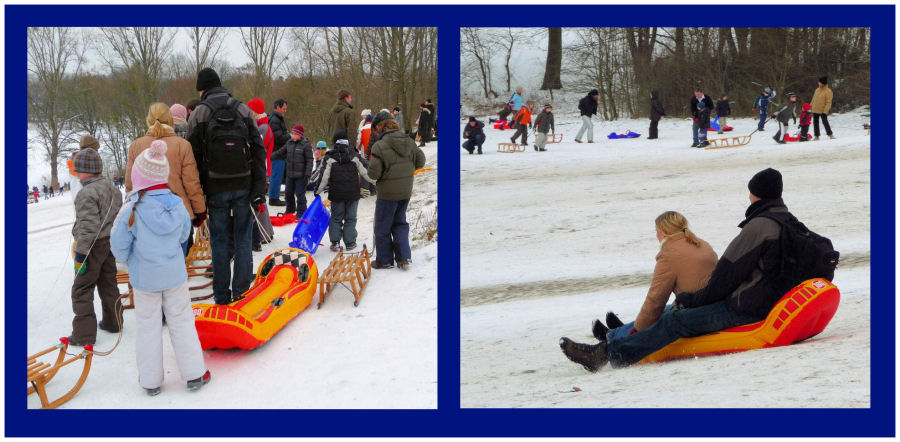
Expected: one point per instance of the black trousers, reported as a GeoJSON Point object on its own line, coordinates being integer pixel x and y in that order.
{"type": "Point", "coordinates": [824, 122]}
{"type": "Point", "coordinates": [654, 132]}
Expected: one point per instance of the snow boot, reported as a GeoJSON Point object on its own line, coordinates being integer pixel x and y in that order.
{"type": "Point", "coordinates": [350, 246]}
{"type": "Point", "coordinates": [152, 391]}
{"type": "Point", "coordinates": [599, 330]}
{"type": "Point", "coordinates": [276, 202]}
{"type": "Point", "coordinates": [335, 246]}
{"type": "Point", "coordinates": [704, 143]}
{"type": "Point", "coordinates": [816, 138]}
{"type": "Point", "coordinates": [831, 136]}
{"type": "Point", "coordinates": [195, 384]}
{"type": "Point", "coordinates": [613, 321]}
{"type": "Point", "coordinates": [377, 266]}
{"type": "Point", "coordinates": [404, 264]}
{"type": "Point", "coordinates": [695, 145]}
{"type": "Point", "coordinates": [591, 357]}
{"type": "Point", "coordinates": [577, 140]}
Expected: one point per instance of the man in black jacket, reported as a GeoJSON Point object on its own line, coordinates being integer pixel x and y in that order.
{"type": "Point", "coordinates": [696, 99]}
{"type": "Point", "coordinates": [281, 136]}
{"type": "Point", "coordinates": [474, 135]}
{"type": "Point", "coordinates": [588, 107]}
{"type": "Point", "coordinates": [742, 289]}
{"type": "Point", "coordinates": [229, 192]}
{"type": "Point", "coordinates": [656, 113]}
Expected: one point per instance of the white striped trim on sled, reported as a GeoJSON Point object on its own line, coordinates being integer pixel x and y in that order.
{"type": "Point", "coordinates": [510, 147]}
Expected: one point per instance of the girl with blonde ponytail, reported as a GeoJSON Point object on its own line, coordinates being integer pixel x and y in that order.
{"type": "Point", "coordinates": [684, 264]}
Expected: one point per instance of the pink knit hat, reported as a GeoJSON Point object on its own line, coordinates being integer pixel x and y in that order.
{"type": "Point", "coordinates": [178, 111]}
{"type": "Point", "coordinates": [150, 167]}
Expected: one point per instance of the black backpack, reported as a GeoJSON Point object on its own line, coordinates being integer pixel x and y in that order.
{"type": "Point", "coordinates": [804, 253]}
{"type": "Point", "coordinates": [227, 153]}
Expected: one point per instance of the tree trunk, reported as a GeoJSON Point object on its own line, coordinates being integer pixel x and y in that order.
{"type": "Point", "coordinates": [554, 60]}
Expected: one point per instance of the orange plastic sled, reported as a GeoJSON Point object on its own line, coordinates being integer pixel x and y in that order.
{"type": "Point", "coordinates": [285, 285]}
{"type": "Point", "coordinates": [801, 314]}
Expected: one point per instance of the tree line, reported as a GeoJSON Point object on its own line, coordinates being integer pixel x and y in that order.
{"type": "Point", "coordinates": [625, 64]}
{"type": "Point", "coordinates": [102, 82]}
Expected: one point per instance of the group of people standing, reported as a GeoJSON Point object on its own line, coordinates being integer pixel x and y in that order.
{"type": "Point", "coordinates": [210, 160]}
{"type": "Point", "coordinates": [34, 193]}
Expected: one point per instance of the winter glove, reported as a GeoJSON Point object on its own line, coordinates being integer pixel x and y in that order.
{"type": "Point", "coordinates": [79, 263]}
{"type": "Point", "coordinates": [257, 199]}
{"type": "Point", "coordinates": [198, 219]}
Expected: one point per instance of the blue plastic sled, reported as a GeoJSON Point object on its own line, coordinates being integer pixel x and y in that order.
{"type": "Point", "coordinates": [311, 227]}
{"type": "Point", "coordinates": [627, 134]}
{"type": "Point", "coordinates": [714, 126]}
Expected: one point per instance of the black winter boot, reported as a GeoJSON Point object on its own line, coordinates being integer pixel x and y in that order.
{"type": "Point", "coordinates": [599, 330]}
{"type": "Point", "coordinates": [613, 321]}
{"type": "Point", "coordinates": [591, 357]}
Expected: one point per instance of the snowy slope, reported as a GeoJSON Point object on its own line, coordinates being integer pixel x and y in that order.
{"type": "Point", "coordinates": [552, 240]}
{"type": "Point", "coordinates": [337, 357]}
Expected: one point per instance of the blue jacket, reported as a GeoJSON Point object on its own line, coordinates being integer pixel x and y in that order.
{"type": "Point", "coordinates": [152, 246]}
{"type": "Point", "coordinates": [762, 102]}
{"type": "Point", "coordinates": [517, 101]}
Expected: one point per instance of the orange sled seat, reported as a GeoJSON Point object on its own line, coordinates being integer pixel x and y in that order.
{"type": "Point", "coordinates": [285, 285]}
{"type": "Point", "coordinates": [801, 314]}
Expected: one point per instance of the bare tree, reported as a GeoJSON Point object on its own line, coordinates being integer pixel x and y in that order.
{"type": "Point", "coordinates": [471, 45]}
{"type": "Point", "coordinates": [554, 61]}
{"type": "Point", "coordinates": [142, 52]}
{"type": "Point", "coordinates": [261, 44]}
{"type": "Point", "coordinates": [53, 55]}
{"type": "Point", "coordinates": [206, 43]}
{"type": "Point", "coordinates": [306, 40]}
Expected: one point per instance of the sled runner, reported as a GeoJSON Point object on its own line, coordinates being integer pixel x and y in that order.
{"type": "Point", "coordinates": [41, 373]}
{"type": "Point", "coordinates": [800, 314]}
{"type": "Point", "coordinates": [555, 138]}
{"type": "Point", "coordinates": [719, 143]}
{"type": "Point", "coordinates": [510, 148]}
{"type": "Point", "coordinates": [284, 286]}
{"type": "Point", "coordinates": [354, 268]}
{"type": "Point", "coordinates": [627, 134]}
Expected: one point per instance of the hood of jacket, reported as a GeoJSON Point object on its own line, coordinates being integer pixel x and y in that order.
{"type": "Point", "coordinates": [340, 106]}
{"type": "Point", "coordinates": [214, 91]}
{"type": "Point", "coordinates": [654, 94]}
{"type": "Point", "coordinates": [162, 206]}
{"type": "Point", "coordinates": [759, 207]}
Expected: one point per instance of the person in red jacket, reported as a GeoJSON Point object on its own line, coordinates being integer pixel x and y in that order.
{"type": "Point", "coordinates": [523, 123]}
{"type": "Point", "coordinates": [805, 121]}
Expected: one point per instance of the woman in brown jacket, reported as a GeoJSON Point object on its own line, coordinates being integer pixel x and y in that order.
{"type": "Point", "coordinates": [184, 178]}
{"type": "Point", "coordinates": [684, 264]}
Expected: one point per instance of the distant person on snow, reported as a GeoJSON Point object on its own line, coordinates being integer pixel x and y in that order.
{"type": "Point", "coordinates": [473, 133]}
{"type": "Point", "coordinates": [424, 123]}
{"type": "Point", "coordinates": [504, 113]}
{"type": "Point", "coordinates": [821, 105]}
{"type": "Point", "coordinates": [684, 264]}
{"type": "Point", "coordinates": [805, 119]}
{"type": "Point", "coordinates": [762, 104]}
{"type": "Point", "coordinates": [95, 210]}
{"type": "Point", "coordinates": [147, 236]}
{"type": "Point", "coordinates": [657, 112]}
{"type": "Point", "coordinates": [707, 105]}
{"type": "Point", "coordinates": [544, 123]}
{"type": "Point", "coordinates": [343, 171]}
{"type": "Point", "coordinates": [397, 114]}
{"type": "Point", "coordinates": [523, 123]}
{"type": "Point", "coordinates": [46, 194]}
{"type": "Point", "coordinates": [788, 111]}
{"type": "Point", "coordinates": [517, 99]}
{"type": "Point", "coordinates": [588, 108]}
{"type": "Point", "coordinates": [723, 111]}
{"type": "Point", "coordinates": [702, 123]}
{"type": "Point", "coordinates": [746, 283]}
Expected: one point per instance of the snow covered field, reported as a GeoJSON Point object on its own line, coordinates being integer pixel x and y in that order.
{"type": "Point", "coordinates": [551, 240]}
{"type": "Point", "coordinates": [337, 357]}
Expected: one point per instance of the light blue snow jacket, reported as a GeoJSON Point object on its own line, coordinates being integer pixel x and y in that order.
{"type": "Point", "coordinates": [517, 101]}
{"type": "Point", "coordinates": [152, 246]}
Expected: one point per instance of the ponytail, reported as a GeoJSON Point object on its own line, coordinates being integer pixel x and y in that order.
{"type": "Point", "coordinates": [671, 223]}
{"type": "Point", "coordinates": [134, 207]}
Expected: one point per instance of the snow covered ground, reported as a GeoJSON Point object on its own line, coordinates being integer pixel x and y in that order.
{"type": "Point", "coordinates": [337, 357]}
{"type": "Point", "coordinates": [551, 240]}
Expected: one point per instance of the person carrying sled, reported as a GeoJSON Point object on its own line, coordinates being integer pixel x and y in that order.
{"type": "Point", "coordinates": [95, 266]}
{"type": "Point", "coordinates": [657, 112]}
{"type": "Point", "coordinates": [147, 236]}
{"type": "Point", "coordinates": [544, 124]}
{"type": "Point", "coordinates": [588, 108]}
{"type": "Point", "coordinates": [473, 133]}
{"type": "Point", "coordinates": [788, 111]}
{"type": "Point", "coordinates": [698, 98]}
{"type": "Point", "coordinates": [723, 111]}
{"type": "Point", "coordinates": [683, 265]}
{"type": "Point", "coordinates": [523, 123]}
{"type": "Point", "coordinates": [762, 104]}
{"type": "Point", "coordinates": [343, 171]}
{"type": "Point", "coordinates": [805, 119]}
{"type": "Point", "coordinates": [747, 282]}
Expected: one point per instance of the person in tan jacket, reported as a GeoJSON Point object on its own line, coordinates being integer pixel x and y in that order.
{"type": "Point", "coordinates": [683, 265]}
{"type": "Point", "coordinates": [184, 178]}
{"type": "Point", "coordinates": [821, 105]}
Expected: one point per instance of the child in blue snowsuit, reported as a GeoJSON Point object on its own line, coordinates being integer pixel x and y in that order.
{"type": "Point", "coordinates": [762, 103]}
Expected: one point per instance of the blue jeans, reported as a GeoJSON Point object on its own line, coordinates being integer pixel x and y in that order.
{"type": "Point", "coordinates": [471, 144]}
{"type": "Point", "coordinates": [695, 131]}
{"type": "Point", "coordinates": [343, 221]}
{"type": "Point", "coordinates": [625, 330]}
{"type": "Point", "coordinates": [391, 231]}
{"type": "Point", "coordinates": [682, 323]}
{"type": "Point", "coordinates": [275, 179]}
{"type": "Point", "coordinates": [221, 207]}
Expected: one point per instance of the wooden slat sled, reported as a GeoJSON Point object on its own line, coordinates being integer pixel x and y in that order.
{"type": "Point", "coordinates": [720, 143]}
{"type": "Point", "coordinates": [510, 148]}
{"type": "Point", "coordinates": [354, 268]}
{"type": "Point", "coordinates": [41, 373]}
{"type": "Point", "coordinates": [554, 138]}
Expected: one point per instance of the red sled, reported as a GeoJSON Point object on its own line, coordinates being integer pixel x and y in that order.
{"type": "Point", "coordinates": [788, 138]}
{"type": "Point", "coordinates": [282, 219]}
{"type": "Point", "coordinates": [501, 124]}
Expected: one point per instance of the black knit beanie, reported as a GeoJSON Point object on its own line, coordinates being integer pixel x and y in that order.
{"type": "Point", "coordinates": [339, 135]}
{"type": "Point", "coordinates": [207, 78]}
{"type": "Point", "coordinates": [471, 119]}
{"type": "Point", "coordinates": [823, 79]}
{"type": "Point", "coordinates": [766, 184]}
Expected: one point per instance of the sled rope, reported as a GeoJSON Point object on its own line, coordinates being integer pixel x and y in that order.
{"type": "Point", "coordinates": [259, 225]}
